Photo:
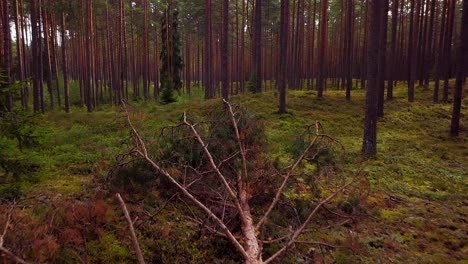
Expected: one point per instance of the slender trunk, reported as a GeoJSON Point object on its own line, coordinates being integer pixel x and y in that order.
{"type": "Point", "coordinates": [462, 64]}
{"type": "Point", "coordinates": [225, 51]}
{"type": "Point", "coordinates": [382, 58]}
{"type": "Point", "coordinates": [257, 54]}
{"type": "Point", "coordinates": [369, 146]}
{"type": "Point", "coordinates": [440, 55]}
{"type": "Point", "coordinates": [448, 49]}
{"type": "Point", "coordinates": [322, 63]}
{"type": "Point", "coordinates": [283, 54]}
{"type": "Point", "coordinates": [7, 52]}
{"type": "Point", "coordinates": [45, 25]}
{"type": "Point", "coordinates": [19, 54]}
{"type": "Point", "coordinates": [349, 46]}
{"type": "Point", "coordinates": [394, 66]}
{"type": "Point", "coordinates": [64, 64]}
{"type": "Point", "coordinates": [208, 52]}
{"type": "Point", "coordinates": [412, 44]}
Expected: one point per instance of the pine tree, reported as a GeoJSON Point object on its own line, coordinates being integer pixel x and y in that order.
{"type": "Point", "coordinates": [170, 55]}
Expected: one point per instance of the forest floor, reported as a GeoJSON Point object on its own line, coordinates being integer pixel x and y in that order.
{"type": "Point", "coordinates": [417, 204]}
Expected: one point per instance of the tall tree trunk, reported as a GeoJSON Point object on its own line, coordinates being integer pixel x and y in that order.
{"type": "Point", "coordinates": [146, 52]}
{"type": "Point", "coordinates": [429, 61]}
{"type": "Point", "coordinates": [7, 52]}
{"type": "Point", "coordinates": [369, 145]}
{"type": "Point", "coordinates": [412, 46]}
{"type": "Point", "coordinates": [448, 49]}
{"type": "Point", "coordinates": [257, 51]}
{"type": "Point", "coordinates": [382, 58]}
{"type": "Point", "coordinates": [19, 54]}
{"type": "Point", "coordinates": [208, 52]}
{"type": "Point", "coordinates": [393, 63]}
{"type": "Point", "coordinates": [225, 51]}
{"type": "Point", "coordinates": [64, 63]}
{"type": "Point", "coordinates": [283, 51]}
{"type": "Point", "coordinates": [89, 65]}
{"type": "Point", "coordinates": [461, 71]}
{"type": "Point", "coordinates": [440, 53]}
{"type": "Point", "coordinates": [349, 46]}
{"type": "Point", "coordinates": [45, 25]}
{"type": "Point", "coordinates": [322, 63]}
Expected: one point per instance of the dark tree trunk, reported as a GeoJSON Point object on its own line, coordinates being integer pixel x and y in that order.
{"type": "Point", "coordinates": [7, 53]}
{"type": "Point", "coordinates": [349, 46]}
{"type": "Point", "coordinates": [429, 61]}
{"type": "Point", "coordinates": [382, 58]}
{"type": "Point", "coordinates": [19, 54]}
{"type": "Point", "coordinates": [369, 145]}
{"type": "Point", "coordinates": [322, 63]}
{"type": "Point", "coordinates": [412, 45]}
{"type": "Point", "coordinates": [89, 40]}
{"type": "Point", "coordinates": [35, 42]}
{"type": "Point", "coordinates": [283, 55]}
{"type": "Point", "coordinates": [394, 66]}
{"type": "Point", "coordinates": [440, 54]}
{"type": "Point", "coordinates": [208, 52]}
{"type": "Point", "coordinates": [257, 53]}
{"type": "Point", "coordinates": [225, 51]}
{"type": "Point", "coordinates": [462, 64]}
{"type": "Point", "coordinates": [448, 49]}
{"type": "Point", "coordinates": [64, 64]}
{"type": "Point", "coordinates": [146, 52]}
{"type": "Point", "coordinates": [45, 25]}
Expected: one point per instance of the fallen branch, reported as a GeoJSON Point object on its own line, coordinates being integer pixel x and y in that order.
{"type": "Point", "coordinates": [299, 231]}
{"type": "Point", "coordinates": [141, 151]}
{"type": "Point", "coordinates": [141, 260]}
{"type": "Point", "coordinates": [3, 249]}
{"type": "Point", "coordinates": [285, 180]}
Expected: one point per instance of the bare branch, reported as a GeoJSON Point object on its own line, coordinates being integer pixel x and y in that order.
{"type": "Point", "coordinates": [144, 154]}
{"type": "Point", "coordinates": [12, 256]}
{"type": "Point", "coordinates": [213, 164]}
{"type": "Point", "coordinates": [241, 146]}
{"type": "Point", "coordinates": [3, 249]}
{"type": "Point", "coordinates": [301, 229]}
{"type": "Point", "coordinates": [136, 245]}
{"type": "Point", "coordinates": [7, 224]}
{"type": "Point", "coordinates": [285, 181]}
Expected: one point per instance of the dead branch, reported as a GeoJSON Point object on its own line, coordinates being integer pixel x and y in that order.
{"type": "Point", "coordinates": [235, 193]}
{"type": "Point", "coordinates": [136, 245]}
{"type": "Point", "coordinates": [3, 249]}
{"type": "Point", "coordinates": [300, 230]}
{"type": "Point", "coordinates": [143, 153]}
{"type": "Point", "coordinates": [213, 164]}
{"type": "Point", "coordinates": [285, 181]}
{"type": "Point", "coordinates": [239, 142]}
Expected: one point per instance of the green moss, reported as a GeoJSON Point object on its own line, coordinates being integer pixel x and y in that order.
{"type": "Point", "coordinates": [108, 250]}
{"type": "Point", "coordinates": [391, 216]}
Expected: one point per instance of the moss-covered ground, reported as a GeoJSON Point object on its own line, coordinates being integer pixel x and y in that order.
{"type": "Point", "coordinates": [416, 210]}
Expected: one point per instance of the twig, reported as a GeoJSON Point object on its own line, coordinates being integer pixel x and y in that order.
{"type": "Point", "coordinates": [12, 256]}
{"type": "Point", "coordinates": [285, 181]}
{"type": "Point", "coordinates": [299, 231]}
{"type": "Point", "coordinates": [141, 260]}
{"type": "Point", "coordinates": [214, 167]}
{"type": "Point", "coordinates": [3, 249]}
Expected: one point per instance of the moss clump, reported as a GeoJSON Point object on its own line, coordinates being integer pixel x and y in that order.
{"type": "Point", "coordinates": [108, 250]}
{"type": "Point", "coordinates": [391, 216]}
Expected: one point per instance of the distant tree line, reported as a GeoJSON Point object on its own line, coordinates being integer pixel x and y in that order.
{"type": "Point", "coordinates": [92, 52]}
